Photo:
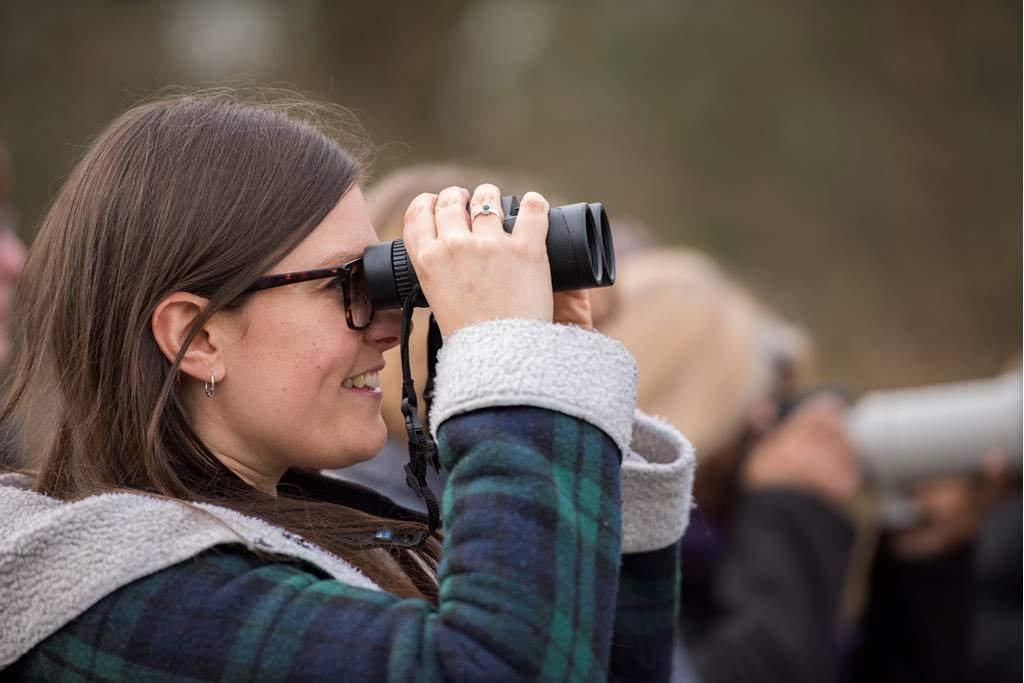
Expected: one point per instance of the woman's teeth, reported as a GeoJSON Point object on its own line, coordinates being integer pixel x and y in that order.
{"type": "Point", "coordinates": [366, 380]}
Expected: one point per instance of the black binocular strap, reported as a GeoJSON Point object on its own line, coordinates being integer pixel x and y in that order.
{"type": "Point", "coordinates": [434, 342]}
{"type": "Point", "coordinates": [422, 449]}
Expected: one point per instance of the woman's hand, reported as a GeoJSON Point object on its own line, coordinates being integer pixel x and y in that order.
{"type": "Point", "coordinates": [573, 308]}
{"type": "Point", "coordinates": [471, 270]}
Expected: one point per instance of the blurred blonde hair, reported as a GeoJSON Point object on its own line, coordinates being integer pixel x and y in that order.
{"type": "Point", "coordinates": [708, 352]}
{"type": "Point", "coordinates": [388, 197]}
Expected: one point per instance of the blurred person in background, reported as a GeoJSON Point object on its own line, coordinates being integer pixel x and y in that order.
{"type": "Point", "coordinates": [996, 640]}
{"type": "Point", "coordinates": [12, 253]}
{"type": "Point", "coordinates": [764, 560]}
{"type": "Point", "coordinates": [196, 342]}
{"type": "Point", "coordinates": [945, 589]}
{"type": "Point", "coordinates": [770, 566]}
{"type": "Point", "coordinates": [12, 259]}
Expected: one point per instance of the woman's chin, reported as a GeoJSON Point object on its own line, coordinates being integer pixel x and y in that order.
{"type": "Point", "coordinates": [352, 451]}
{"type": "Point", "coordinates": [371, 443]}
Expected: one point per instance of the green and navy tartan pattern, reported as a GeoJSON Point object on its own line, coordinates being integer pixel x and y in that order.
{"type": "Point", "coordinates": [528, 586]}
{"type": "Point", "coordinates": [645, 616]}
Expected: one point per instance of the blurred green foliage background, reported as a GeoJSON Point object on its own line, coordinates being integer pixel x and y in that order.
{"type": "Point", "coordinates": [857, 164]}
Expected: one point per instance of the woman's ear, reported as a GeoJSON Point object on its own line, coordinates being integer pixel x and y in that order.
{"type": "Point", "coordinates": [171, 321]}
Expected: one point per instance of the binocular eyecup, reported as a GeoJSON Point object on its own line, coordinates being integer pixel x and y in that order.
{"type": "Point", "coordinates": [579, 246]}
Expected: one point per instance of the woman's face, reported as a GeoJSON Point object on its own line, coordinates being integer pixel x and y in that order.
{"type": "Point", "coordinates": [286, 398]}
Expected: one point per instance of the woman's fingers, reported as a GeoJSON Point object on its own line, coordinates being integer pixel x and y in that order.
{"type": "Point", "coordinates": [532, 221]}
{"type": "Point", "coordinates": [419, 228]}
{"type": "Point", "coordinates": [485, 211]}
{"type": "Point", "coordinates": [573, 308]}
{"type": "Point", "coordinates": [450, 214]}
{"type": "Point", "coordinates": [472, 275]}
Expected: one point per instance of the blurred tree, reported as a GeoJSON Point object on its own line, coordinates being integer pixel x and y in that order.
{"type": "Point", "coordinates": [860, 165]}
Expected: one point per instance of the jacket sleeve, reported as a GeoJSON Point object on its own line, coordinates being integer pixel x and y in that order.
{"type": "Point", "coordinates": [645, 616]}
{"type": "Point", "coordinates": [657, 467]}
{"type": "Point", "coordinates": [657, 479]}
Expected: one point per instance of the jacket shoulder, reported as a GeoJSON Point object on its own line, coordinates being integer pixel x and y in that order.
{"type": "Point", "coordinates": [206, 617]}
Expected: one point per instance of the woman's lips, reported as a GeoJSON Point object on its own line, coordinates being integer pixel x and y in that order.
{"type": "Point", "coordinates": [366, 391]}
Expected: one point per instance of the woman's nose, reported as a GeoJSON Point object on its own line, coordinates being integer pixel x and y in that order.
{"type": "Point", "coordinates": [385, 330]}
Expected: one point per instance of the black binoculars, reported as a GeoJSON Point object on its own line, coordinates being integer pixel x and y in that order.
{"type": "Point", "coordinates": [579, 245]}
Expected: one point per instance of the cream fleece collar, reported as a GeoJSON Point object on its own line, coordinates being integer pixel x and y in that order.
{"type": "Point", "coordinates": [59, 558]}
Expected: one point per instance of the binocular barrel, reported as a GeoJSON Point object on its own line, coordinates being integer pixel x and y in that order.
{"type": "Point", "coordinates": [579, 245]}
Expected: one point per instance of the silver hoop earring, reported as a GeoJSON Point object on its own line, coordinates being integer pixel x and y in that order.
{"type": "Point", "coordinates": [210, 386]}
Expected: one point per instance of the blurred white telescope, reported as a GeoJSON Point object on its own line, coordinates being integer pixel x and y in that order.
{"type": "Point", "coordinates": [907, 434]}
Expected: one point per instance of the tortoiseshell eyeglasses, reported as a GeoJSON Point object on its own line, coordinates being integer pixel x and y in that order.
{"type": "Point", "coordinates": [349, 278]}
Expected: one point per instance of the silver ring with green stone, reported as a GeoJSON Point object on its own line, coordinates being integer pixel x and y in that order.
{"type": "Point", "coordinates": [484, 209]}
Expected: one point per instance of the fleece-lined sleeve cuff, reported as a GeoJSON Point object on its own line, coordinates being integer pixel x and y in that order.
{"type": "Point", "coordinates": [657, 483]}
{"type": "Point", "coordinates": [527, 362]}
{"type": "Point", "coordinates": [586, 375]}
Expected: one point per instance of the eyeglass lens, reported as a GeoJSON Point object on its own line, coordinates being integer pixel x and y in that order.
{"type": "Point", "coordinates": [360, 307]}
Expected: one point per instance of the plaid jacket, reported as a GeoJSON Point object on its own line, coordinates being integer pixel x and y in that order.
{"type": "Point", "coordinates": [532, 587]}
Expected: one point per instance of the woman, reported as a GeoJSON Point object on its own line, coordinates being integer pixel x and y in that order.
{"type": "Point", "coordinates": [184, 376]}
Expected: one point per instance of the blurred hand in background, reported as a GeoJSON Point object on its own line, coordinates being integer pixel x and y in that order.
{"type": "Point", "coordinates": [809, 452]}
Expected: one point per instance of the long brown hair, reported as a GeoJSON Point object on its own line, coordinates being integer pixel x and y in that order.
{"type": "Point", "coordinates": [200, 193]}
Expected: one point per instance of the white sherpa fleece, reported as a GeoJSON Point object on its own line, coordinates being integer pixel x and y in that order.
{"type": "Point", "coordinates": [527, 362]}
{"type": "Point", "coordinates": [657, 480]}
{"type": "Point", "coordinates": [589, 376]}
{"type": "Point", "coordinates": [57, 559]}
